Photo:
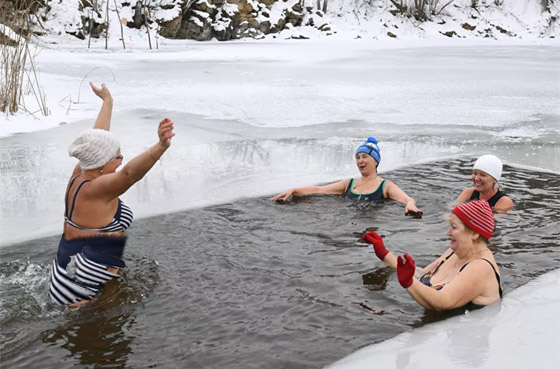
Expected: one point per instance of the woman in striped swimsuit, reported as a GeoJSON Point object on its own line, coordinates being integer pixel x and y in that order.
{"type": "Point", "coordinates": [465, 275]}
{"type": "Point", "coordinates": [91, 247]}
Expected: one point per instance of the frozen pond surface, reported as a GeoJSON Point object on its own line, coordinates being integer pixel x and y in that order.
{"type": "Point", "coordinates": [253, 119]}
{"type": "Point", "coordinates": [504, 334]}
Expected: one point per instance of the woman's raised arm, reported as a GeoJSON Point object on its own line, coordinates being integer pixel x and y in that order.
{"type": "Point", "coordinates": [103, 120]}
{"type": "Point", "coordinates": [112, 185]}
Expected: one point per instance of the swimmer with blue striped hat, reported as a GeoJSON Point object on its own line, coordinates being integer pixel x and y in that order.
{"type": "Point", "coordinates": [369, 186]}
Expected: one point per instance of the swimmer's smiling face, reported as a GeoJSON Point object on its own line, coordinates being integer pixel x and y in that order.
{"type": "Point", "coordinates": [482, 181]}
{"type": "Point", "coordinates": [366, 163]}
{"type": "Point", "coordinates": [458, 233]}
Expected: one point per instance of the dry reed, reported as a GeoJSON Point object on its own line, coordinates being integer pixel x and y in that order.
{"type": "Point", "coordinates": [18, 68]}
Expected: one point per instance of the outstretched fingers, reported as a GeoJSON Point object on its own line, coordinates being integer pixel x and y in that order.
{"type": "Point", "coordinates": [102, 92]}
{"type": "Point", "coordinates": [284, 196]}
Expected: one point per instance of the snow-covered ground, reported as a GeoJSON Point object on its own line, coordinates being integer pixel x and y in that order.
{"type": "Point", "coordinates": [346, 19]}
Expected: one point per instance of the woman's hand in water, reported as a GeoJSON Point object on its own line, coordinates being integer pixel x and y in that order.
{"type": "Point", "coordinates": [378, 245]}
{"type": "Point", "coordinates": [411, 209]}
{"type": "Point", "coordinates": [102, 92]}
{"type": "Point", "coordinates": [284, 196]}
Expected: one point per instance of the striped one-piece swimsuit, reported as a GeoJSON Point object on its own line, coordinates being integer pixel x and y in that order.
{"type": "Point", "coordinates": [88, 257]}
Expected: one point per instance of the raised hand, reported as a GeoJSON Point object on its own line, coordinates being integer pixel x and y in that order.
{"type": "Point", "coordinates": [102, 92]}
{"type": "Point", "coordinates": [405, 270]}
{"type": "Point", "coordinates": [377, 242]}
{"type": "Point", "coordinates": [165, 132]}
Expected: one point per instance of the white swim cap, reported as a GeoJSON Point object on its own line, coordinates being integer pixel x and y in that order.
{"type": "Point", "coordinates": [94, 148]}
{"type": "Point", "coordinates": [491, 165]}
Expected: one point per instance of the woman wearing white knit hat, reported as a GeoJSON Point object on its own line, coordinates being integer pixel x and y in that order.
{"type": "Point", "coordinates": [487, 172]}
{"type": "Point", "coordinates": [91, 247]}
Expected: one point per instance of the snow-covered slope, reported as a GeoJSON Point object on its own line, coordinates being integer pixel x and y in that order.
{"type": "Point", "coordinates": [375, 19]}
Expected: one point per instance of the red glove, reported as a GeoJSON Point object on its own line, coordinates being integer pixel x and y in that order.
{"type": "Point", "coordinates": [377, 242]}
{"type": "Point", "coordinates": [405, 270]}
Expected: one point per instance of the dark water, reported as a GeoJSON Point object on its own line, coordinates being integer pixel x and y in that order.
{"type": "Point", "coordinates": [255, 284]}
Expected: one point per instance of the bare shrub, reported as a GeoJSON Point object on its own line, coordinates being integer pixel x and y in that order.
{"type": "Point", "coordinates": [17, 70]}
{"type": "Point", "coordinates": [421, 10]}
{"type": "Point", "coordinates": [436, 6]}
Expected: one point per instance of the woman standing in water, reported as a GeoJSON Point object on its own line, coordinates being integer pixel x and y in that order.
{"type": "Point", "coordinates": [487, 172]}
{"type": "Point", "coordinates": [466, 275]}
{"type": "Point", "coordinates": [368, 187]}
{"type": "Point", "coordinates": [95, 218]}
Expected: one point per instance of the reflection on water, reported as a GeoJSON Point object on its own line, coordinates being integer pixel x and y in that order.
{"type": "Point", "coordinates": [96, 335]}
{"type": "Point", "coordinates": [100, 342]}
{"type": "Point", "coordinates": [227, 285]}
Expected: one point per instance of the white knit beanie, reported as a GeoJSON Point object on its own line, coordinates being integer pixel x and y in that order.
{"type": "Point", "coordinates": [491, 165]}
{"type": "Point", "coordinates": [94, 148]}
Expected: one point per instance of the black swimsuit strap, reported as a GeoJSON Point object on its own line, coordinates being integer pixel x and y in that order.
{"type": "Point", "coordinates": [443, 261]}
{"type": "Point", "coordinates": [494, 199]}
{"type": "Point", "coordinates": [67, 194]}
{"type": "Point", "coordinates": [349, 187]}
{"type": "Point", "coordinates": [495, 273]}
{"type": "Point", "coordinates": [76, 195]}
{"type": "Point", "coordinates": [491, 201]}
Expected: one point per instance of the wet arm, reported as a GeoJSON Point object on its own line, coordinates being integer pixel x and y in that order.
{"type": "Point", "coordinates": [103, 120]}
{"type": "Point", "coordinates": [503, 205]}
{"type": "Point", "coordinates": [465, 195]}
{"type": "Point", "coordinates": [336, 188]}
{"type": "Point", "coordinates": [391, 261]}
{"type": "Point", "coordinates": [395, 193]}
{"type": "Point", "coordinates": [468, 285]}
{"type": "Point", "coordinates": [115, 184]}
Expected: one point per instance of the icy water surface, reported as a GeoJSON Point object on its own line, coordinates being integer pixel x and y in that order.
{"type": "Point", "coordinates": [256, 284]}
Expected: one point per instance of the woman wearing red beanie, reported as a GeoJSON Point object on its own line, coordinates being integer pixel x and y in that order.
{"type": "Point", "coordinates": [464, 275]}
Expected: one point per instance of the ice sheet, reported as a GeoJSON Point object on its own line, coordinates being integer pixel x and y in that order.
{"type": "Point", "coordinates": [523, 331]}
{"type": "Point", "coordinates": [255, 118]}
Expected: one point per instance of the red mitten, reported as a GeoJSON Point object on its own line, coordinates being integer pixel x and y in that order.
{"type": "Point", "coordinates": [405, 270]}
{"type": "Point", "coordinates": [377, 242]}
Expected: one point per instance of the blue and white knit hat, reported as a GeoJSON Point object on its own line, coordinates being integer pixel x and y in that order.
{"type": "Point", "coordinates": [94, 148]}
{"type": "Point", "coordinates": [370, 147]}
